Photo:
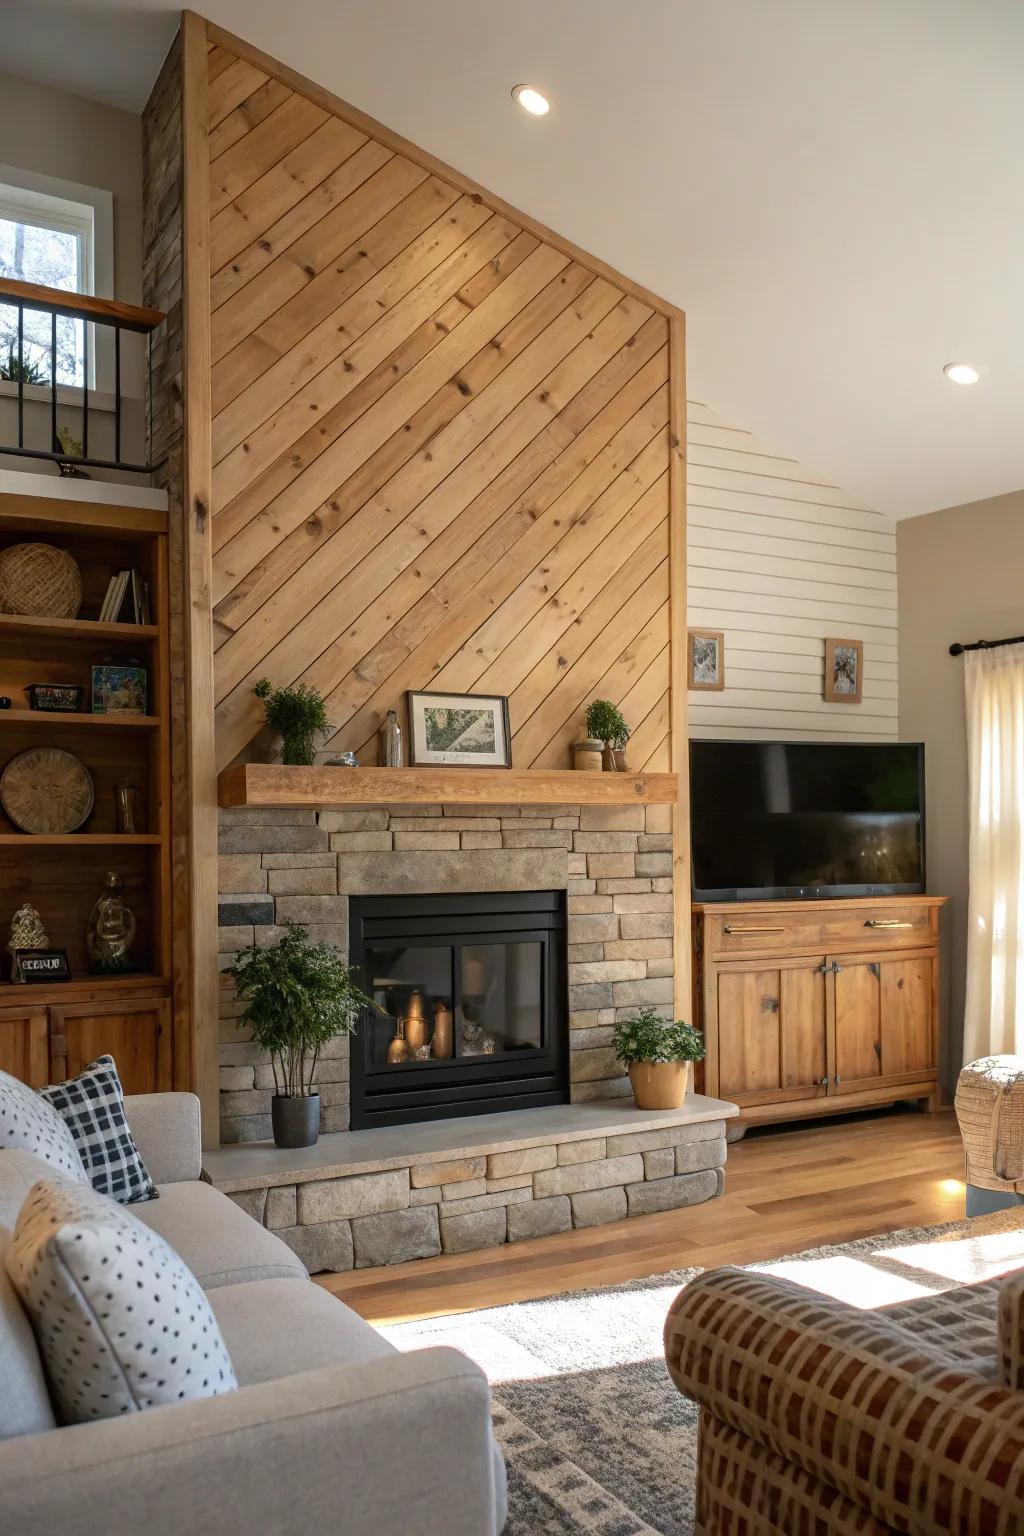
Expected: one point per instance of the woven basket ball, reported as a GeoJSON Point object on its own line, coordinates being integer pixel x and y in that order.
{"type": "Point", "coordinates": [40, 581]}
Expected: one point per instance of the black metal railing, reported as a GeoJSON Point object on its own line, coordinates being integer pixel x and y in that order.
{"type": "Point", "coordinates": [23, 369]}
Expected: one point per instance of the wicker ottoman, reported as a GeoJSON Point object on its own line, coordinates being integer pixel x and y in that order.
{"type": "Point", "coordinates": [990, 1110]}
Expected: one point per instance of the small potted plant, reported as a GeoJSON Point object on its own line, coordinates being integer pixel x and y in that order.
{"type": "Point", "coordinates": [605, 723]}
{"type": "Point", "coordinates": [299, 715]}
{"type": "Point", "coordinates": [298, 997]}
{"type": "Point", "coordinates": [659, 1056]}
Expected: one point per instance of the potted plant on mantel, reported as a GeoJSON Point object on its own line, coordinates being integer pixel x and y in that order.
{"type": "Point", "coordinates": [298, 996]}
{"type": "Point", "coordinates": [605, 723]}
{"type": "Point", "coordinates": [299, 715]}
{"type": "Point", "coordinates": [659, 1057]}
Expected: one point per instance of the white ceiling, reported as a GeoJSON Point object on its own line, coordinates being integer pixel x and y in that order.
{"type": "Point", "coordinates": [831, 189]}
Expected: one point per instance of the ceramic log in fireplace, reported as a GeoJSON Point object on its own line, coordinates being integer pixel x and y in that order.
{"type": "Point", "coordinates": [494, 962]}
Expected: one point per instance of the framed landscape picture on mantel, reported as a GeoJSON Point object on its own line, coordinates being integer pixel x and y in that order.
{"type": "Point", "coordinates": [459, 730]}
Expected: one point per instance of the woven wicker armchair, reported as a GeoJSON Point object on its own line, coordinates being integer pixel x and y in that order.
{"type": "Point", "coordinates": [990, 1112]}
{"type": "Point", "coordinates": [819, 1418]}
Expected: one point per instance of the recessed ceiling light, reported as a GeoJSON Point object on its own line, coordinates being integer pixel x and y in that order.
{"type": "Point", "coordinates": [961, 373]}
{"type": "Point", "coordinates": [531, 100]}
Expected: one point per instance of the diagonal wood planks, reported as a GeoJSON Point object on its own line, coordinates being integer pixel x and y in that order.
{"type": "Point", "coordinates": [441, 444]}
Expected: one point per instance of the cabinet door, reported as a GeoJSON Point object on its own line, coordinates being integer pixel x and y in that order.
{"type": "Point", "coordinates": [771, 1031]}
{"type": "Point", "coordinates": [136, 1032]}
{"type": "Point", "coordinates": [884, 1019]}
{"type": "Point", "coordinates": [25, 1045]}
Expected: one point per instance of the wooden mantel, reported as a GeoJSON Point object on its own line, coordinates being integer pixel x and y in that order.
{"type": "Point", "coordinates": [272, 784]}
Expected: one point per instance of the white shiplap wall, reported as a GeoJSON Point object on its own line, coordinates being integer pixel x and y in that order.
{"type": "Point", "coordinates": [779, 560]}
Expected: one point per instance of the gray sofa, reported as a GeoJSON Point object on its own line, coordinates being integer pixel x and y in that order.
{"type": "Point", "coordinates": [332, 1429]}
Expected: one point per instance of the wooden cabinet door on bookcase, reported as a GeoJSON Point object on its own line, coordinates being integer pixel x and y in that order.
{"type": "Point", "coordinates": [883, 1012]}
{"type": "Point", "coordinates": [136, 1032]}
{"type": "Point", "coordinates": [25, 1045]}
{"type": "Point", "coordinates": [772, 1036]}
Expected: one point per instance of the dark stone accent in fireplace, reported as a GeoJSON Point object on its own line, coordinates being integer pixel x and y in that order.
{"type": "Point", "coordinates": [496, 961]}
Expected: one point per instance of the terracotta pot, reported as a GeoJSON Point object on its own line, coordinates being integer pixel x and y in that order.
{"type": "Point", "coordinates": [660, 1084]}
{"type": "Point", "coordinates": [295, 1121]}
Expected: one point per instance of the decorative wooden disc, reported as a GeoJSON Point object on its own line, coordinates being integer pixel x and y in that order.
{"type": "Point", "coordinates": [47, 790]}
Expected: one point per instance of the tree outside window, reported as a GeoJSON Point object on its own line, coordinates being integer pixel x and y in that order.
{"type": "Point", "coordinates": [54, 257]}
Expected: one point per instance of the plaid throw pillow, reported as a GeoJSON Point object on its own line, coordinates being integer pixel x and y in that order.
{"type": "Point", "coordinates": [92, 1107]}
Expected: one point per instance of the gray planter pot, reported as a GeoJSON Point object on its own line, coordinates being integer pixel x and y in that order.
{"type": "Point", "coordinates": [296, 1121]}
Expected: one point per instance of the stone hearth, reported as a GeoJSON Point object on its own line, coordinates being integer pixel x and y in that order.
{"type": "Point", "coordinates": [385, 1196]}
{"type": "Point", "coordinates": [615, 864]}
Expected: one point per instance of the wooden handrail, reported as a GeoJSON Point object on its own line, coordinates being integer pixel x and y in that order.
{"type": "Point", "coordinates": [130, 317]}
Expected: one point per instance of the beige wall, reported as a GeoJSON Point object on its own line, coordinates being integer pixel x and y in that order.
{"type": "Point", "coordinates": [56, 134]}
{"type": "Point", "coordinates": [961, 577]}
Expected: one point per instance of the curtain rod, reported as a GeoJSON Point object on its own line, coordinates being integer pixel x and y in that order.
{"type": "Point", "coordinates": [956, 649]}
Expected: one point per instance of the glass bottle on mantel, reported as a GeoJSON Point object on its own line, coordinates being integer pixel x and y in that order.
{"type": "Point", "coordinates": [391, 742]}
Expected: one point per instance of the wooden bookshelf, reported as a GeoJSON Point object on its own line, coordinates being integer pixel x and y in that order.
{"type": "Point", "coordinates": [52, 1030]}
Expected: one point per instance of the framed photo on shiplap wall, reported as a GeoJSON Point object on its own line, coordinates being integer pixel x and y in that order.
{"type": "Point", "coordinates": [705, 659]}
{"type": "Point", "coordinates": [844, 671]}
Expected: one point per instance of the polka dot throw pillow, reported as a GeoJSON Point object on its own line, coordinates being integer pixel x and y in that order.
{"type": "Point", "coordinates": [30, 1124]}
{"type": "Point", "coordinates": [121, 1323]}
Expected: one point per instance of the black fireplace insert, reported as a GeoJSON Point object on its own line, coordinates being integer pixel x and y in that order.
{"type": "Point", "coordinates": [472, 1000]}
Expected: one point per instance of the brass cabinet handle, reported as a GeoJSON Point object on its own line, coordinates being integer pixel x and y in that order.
{"type": "Point", "coordinates": [736, 928]}
{"type": "Point", "coordinates": [885, 922]}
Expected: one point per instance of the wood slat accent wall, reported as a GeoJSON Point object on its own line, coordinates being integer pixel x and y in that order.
{"type": "Point", "coordinates": [779, 559]}
{"type": "Point", "coordinates": [441, 441]}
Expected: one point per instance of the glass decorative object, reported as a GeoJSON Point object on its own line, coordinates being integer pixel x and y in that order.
{"type": "Point", "coordinates": [391, 749]}
{"type": "Point", "coordinates": [111, 931]}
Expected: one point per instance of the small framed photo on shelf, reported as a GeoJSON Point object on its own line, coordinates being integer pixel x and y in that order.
{"type": "Point", "coordinates": [459, 730]}
{"type": "Point", "coordinates": [119, 690]}
{"type": "Point", "coordinates": [705, 659]}
{"type": "Point", "coordinates": [844, 671]}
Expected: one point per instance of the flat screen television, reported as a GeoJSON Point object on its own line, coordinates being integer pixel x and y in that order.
{"type": "Point", "coordinates": [785, 819]}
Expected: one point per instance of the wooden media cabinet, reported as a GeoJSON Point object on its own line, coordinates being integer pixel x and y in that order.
{"type": "Point", "coordinates": [818, 1007]}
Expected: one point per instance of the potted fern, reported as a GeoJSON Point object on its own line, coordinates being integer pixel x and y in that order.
{"type": "Point", "coordinates": [659, 1057]}
{"type": "Point", "coordinates": [605, 723]}
{"type": "Point", "coordinates": [299, 715]}
{"type": "Point", "coordinates": [298, 997]}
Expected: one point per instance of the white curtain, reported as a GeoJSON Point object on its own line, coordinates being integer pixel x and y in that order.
{"type": "Point", "coordinates": [994, 1018]}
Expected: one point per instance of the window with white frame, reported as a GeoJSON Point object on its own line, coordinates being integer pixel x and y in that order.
{"type": "Point", "coordinates": [55, 239]}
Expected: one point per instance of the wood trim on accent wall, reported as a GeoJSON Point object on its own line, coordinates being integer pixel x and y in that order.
{"type": "Point", "coordinates": [682, 952]}
{"type": "Point", "coordinates": [198, 500]}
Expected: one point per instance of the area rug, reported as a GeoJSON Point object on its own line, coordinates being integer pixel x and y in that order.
{"type": "Point", "coordinates": [596, 1438]}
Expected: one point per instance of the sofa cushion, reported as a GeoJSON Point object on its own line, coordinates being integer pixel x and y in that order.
{"type": "Point", "coordinates": [29, 1124]}
{"type": "Point", "coordinates": [276, 1328]}
{"type": "Point", "coordinates": [25, 1407]}
{"type": "Point", "coordinates": [18, 1172]}
{"type": "Point", "coordinates": [120, 1323]}
{"type": "Point", "coordinates": [92, 1107]}
{"type": "Point", "coordinates": [220, 1244]}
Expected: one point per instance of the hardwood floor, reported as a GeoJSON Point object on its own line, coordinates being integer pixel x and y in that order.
{"type": "Point", "coordinates": [786, 1190]}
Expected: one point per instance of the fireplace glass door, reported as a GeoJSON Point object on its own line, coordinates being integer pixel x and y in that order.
{"type": "Point", "coordinates": [470, 1010]}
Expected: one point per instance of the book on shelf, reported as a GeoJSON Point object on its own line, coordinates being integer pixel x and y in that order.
{"type": "Point", "coordinates": [127, 600]}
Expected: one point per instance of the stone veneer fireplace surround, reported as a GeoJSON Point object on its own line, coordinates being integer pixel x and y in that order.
{"type": "Point", "coordinates": [390, 1193]}
{"type": "Point", "coordinates": [614, 863]}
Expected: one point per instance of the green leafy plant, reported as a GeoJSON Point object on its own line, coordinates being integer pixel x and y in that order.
{"type": "Point", "coordinates": [70, 443]}
{"type": "Point", "coordinates": [299, 715]}
{"type": "Point", "coordinates": [26, 371]}
{"type": "Point", "coordinates": [298, 996]}
{"type": "Point", "coordinates": [646, 1037]}
{"type": "Point", "coordinates": [605, 723]}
